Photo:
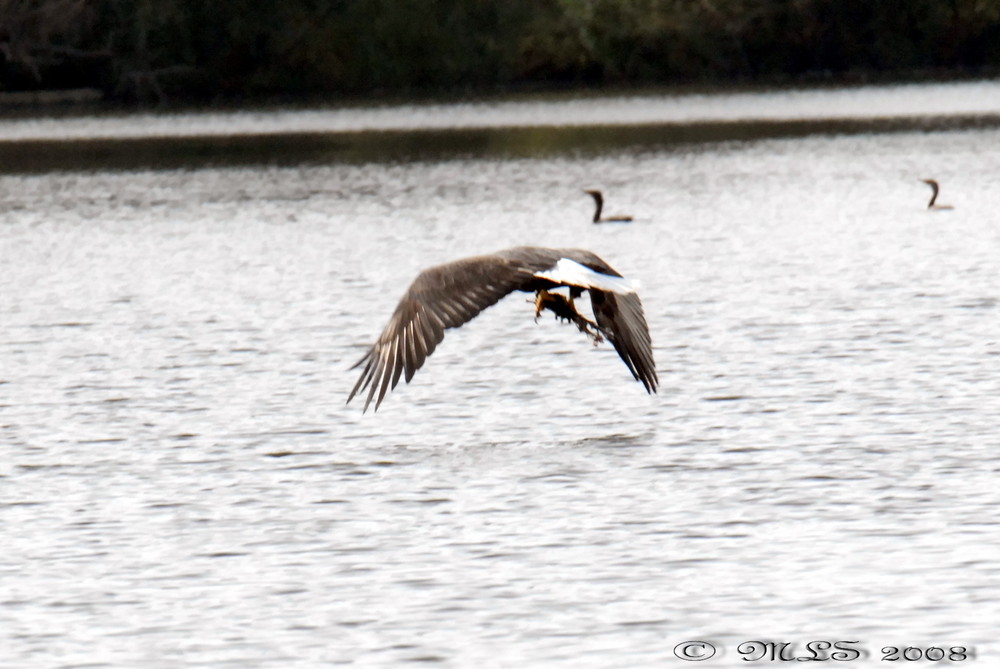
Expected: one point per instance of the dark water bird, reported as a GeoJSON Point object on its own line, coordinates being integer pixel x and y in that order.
{"type": "Point", "coordinates": [452, 294]}
{"type": "Point", "coordinates": [599, 201]}
{"type": "Point", "coordinates": [935, 188]}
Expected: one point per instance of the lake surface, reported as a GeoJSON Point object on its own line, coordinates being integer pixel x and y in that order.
{"type": "Point", "coordinates": [183, 484]}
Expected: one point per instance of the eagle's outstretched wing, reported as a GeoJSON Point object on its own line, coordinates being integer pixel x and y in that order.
{"type": "Point", "coordinates": [621, 320]}
{"type": "Point", "coordinates": [441, 297]}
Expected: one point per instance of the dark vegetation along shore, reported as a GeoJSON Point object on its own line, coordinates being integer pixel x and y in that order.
{"type": "Point", "coordinates": [196, 52]}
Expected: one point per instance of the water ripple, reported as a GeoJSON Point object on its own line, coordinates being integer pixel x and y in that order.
{"type": "Point", "coordinates": [183, 482]}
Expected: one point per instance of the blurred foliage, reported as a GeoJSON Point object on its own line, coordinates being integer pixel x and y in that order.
{"type": "Point", "coordinates": [151, 50]}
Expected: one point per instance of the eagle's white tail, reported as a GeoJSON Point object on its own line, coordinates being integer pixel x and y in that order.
{"type": "Point", "coordinates": [572, 273]}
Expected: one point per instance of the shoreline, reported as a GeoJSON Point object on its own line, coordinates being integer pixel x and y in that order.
{"type": "Point", "coordinates": [217, 150]}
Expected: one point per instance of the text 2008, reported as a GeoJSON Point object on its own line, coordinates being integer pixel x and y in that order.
{"type": "Point", "coordinates": [932, 653]}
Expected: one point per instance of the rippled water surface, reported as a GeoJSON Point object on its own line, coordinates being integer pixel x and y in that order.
{"type": "Point", "coordinates": [183, 485]}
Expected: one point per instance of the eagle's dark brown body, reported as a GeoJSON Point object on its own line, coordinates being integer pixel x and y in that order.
{"type": "Point", "coordinates": [449, 295]}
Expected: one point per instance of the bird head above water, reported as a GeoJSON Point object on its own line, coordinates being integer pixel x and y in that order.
{"type": "Point", "coordinates": [599, 202]}
{"type": "Point", "coordinates": [935, 189]}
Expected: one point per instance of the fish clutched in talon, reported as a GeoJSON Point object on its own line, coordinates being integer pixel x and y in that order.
{"type": "Point", "coordinates": [565, 310]}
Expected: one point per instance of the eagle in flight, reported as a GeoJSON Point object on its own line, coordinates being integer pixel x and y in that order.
{"type": "Point", "coordinates": [452, 294]}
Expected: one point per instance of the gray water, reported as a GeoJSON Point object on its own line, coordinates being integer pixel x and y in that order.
{"type": "Point", "coordinates": [183, 485]}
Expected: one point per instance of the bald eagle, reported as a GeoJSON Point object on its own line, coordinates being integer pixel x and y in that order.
{"type": "Point", "coordinates": [935, 188]}
{"type": "Point", "coordinates": [599, 201]}
{"type": "Point", "coordinates": [450, 295]}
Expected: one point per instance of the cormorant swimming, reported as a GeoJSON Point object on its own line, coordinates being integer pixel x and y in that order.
{"type": "Point", "coordinates": [599, 201]}
{"type": "Point", "coordinates": [935, 188]}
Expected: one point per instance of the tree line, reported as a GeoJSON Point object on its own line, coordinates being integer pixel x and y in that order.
{"type": "Point", "coordinates": [199, 51]}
